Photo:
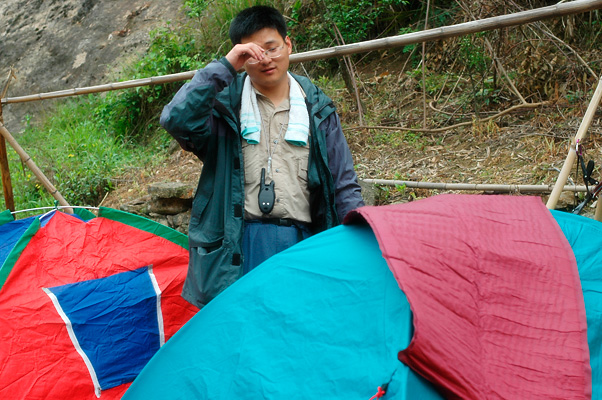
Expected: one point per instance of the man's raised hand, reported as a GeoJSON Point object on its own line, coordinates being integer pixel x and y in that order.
{"type": "Point", "coordinates": [240, 53]}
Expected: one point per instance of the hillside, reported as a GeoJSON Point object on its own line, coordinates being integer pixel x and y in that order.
{"type": "Point", "coordinates": [60, 45]}
{"type": "Point", "coordinates": [57, 45]}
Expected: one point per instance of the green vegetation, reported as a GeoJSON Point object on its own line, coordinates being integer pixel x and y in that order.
{"type": "Point", "coordinates": [77, 153]}
{"type": "Point", "coordinates": [85, 144]}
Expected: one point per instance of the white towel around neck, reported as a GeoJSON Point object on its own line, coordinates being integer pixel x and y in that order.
{"type": "Point", "coordinates": [297, 132]}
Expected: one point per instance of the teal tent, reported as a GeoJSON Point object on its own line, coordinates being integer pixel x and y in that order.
{"type": "Point", "coordinates": [325, 319]}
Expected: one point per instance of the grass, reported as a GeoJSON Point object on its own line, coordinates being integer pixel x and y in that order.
{"type": "Point", "coordinates": [78, 154]}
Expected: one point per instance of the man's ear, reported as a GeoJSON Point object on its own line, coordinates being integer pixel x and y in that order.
{"type": "Point", "coordinates": [289, 45]}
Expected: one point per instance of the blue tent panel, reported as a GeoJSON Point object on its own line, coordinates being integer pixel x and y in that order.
{"type": "Point", "coordinates": [10, 233]}
{"type": "Point", "coordinates": [124, 305]}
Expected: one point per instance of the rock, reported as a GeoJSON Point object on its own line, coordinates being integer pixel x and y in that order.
{"type": "Point", "coordinates": [138, 206]}
{"type": "Point", "coordinates": [567, 200]}
{"type": "Point", "coordinates": [368, 193]}
{"type": "Point", "coordinates": [170, 206]}
{"type": "Point", "coordinates": [162, 219]}
{"type": "Point", "coordinates": [169, 190]}
{"type": "Point", "coordinates": [168, 203]}
{"type": "Point", "coordinates": [180, 221]}
{"type": "Point", "coordinates": [170, 198]}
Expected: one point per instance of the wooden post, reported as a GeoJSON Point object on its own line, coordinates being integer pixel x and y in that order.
{"type": "Point", "coordinates": [598, 215]}
{"type": "Point", "coordinates": [572, 156]}
{"type": "Point", "coordinates": [34, 168]}
{"type": "Point", "coordinates": [7, 187]}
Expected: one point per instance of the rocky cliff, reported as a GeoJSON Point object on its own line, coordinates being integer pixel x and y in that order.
{"type": "Point", "coordinates": [63, 44]}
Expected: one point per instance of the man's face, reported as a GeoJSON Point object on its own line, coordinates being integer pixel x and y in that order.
{"type": "Point", "coordinates": [270, 72]}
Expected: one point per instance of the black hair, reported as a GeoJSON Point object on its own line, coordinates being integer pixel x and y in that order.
{"type": "Point", "coordinates": [256, 18]}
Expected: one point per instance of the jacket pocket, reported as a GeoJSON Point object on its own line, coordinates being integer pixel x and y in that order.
{"type": "Point", "coordinates": [210, 271]}
{"type": "Point", "coordinates": [207, 222]}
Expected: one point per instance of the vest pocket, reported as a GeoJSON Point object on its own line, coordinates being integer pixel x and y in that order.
{"type": "Point", "coordinates": [302, 168]}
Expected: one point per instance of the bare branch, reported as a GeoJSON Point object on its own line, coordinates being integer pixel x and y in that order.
{"type": "Point", "coordinates": [426, 25]}
{"type": "Point", "coordinates": [351, 70]}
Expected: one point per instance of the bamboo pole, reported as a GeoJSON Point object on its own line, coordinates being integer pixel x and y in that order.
{"type": "Point", "coordinates": [572, 155]}
{"type": "Point", "coordinates": [480, 187]}
{"type": "Point", "coordinates": [102, 88]}
{"type": "Point", "coordinates": [34, 168]}
{"type": "Point", "coordinates": [7, 186]}
{"type": "Point", "coordinates": [598, 214]}
{"type": "Point", "coordinates": [446, 32]}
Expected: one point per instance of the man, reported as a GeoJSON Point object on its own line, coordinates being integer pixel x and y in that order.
{"type": "Point", "coordinates": [276, 166]}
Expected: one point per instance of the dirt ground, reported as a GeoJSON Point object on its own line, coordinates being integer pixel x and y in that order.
{"type": "Point", "coordinates": [181, 166]}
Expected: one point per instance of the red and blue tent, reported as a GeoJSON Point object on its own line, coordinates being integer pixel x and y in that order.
{"type": "Point", "coordinates": [85, 302]}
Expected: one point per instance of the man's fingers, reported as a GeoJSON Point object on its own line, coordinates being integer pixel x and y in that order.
{"type": "Point", "coordinates": [254, 51]}
{"type": "Point", "coordinates": [240, 53]}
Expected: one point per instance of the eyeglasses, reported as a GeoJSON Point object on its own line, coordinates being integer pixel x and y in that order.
{"type": "Point", "coordinates": [272, 53]}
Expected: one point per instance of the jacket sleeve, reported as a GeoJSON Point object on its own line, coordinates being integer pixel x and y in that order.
{"type": "Point", "coordinates": [188, 117]}
{"type": "Point", "coordinates": [348, 194]}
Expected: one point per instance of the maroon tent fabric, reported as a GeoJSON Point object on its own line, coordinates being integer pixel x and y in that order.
{"type": "Point", "coordinates": [495, 293]}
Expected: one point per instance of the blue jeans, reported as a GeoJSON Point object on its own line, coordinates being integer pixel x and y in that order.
{"type": "Point", "coordinates": [261, 241]}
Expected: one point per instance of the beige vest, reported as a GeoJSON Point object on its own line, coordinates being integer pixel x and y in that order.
{"type": "Point", "coordinates": [288, 167]}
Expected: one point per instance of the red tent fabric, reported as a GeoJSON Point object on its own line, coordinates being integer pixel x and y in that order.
{"type": "Point", "coordinates": [495, 293]}
{"type": "Point", "coordinates": [73, 270]}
